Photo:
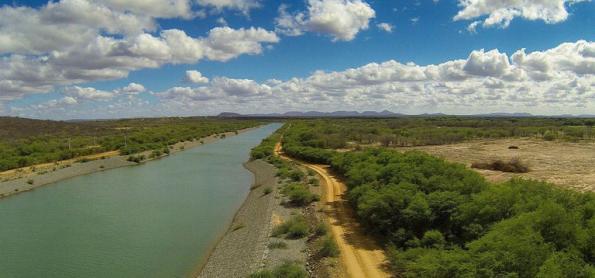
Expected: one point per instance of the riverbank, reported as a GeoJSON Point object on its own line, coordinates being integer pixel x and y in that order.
{"type": "Point", "coordinates": [241, 250]}
{"type": "Point", "coordinates": [247, 246]}
{"type": "Point", "coordinates": [53, 172]}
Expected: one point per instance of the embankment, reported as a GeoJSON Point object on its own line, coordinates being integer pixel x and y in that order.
{"type": "Point", "coordinates": [243, 248]}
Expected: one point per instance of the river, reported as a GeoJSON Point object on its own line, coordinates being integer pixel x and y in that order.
{"type": "Point", "coordinates": [158, 219]}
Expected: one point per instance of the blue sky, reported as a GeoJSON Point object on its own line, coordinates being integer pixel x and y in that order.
{"type": "Point", "coordinates": [424, 34]}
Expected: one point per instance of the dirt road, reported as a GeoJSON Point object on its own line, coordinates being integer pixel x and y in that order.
{"type": "Point", "coordinates": [360, 255]}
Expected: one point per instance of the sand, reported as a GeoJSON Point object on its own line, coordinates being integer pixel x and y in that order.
{"type": "Point", "coordinates": [569, 165]}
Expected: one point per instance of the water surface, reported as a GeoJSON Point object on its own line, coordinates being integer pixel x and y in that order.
{"type": "Point", "coordinates": [153, 220]}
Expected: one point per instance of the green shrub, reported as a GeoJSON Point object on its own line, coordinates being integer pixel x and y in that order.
{"type": "Point", "coordinates": [277, 245]}
{"type": "Point", "coordinates": [549, 136]}
{"type": "Point", "coordinates": [296, 175]}
{"type": "Point", "coordinates": [329, 247]}
{"type": "Point", "coordinates": [433, 239]}
{"type": "Point", "coordinates": [267, 190]}
{"type": "Point", "coordinates": [321, 229]}
{"type": "Point", "coordinates": [299, 194]}
{"type": "Point", "coordinates": [286, 270]}
{"type": "Point", "coordinates": [295, 227]}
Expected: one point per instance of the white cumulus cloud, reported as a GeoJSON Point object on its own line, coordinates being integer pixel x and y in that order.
{"type": "Point", "coordinates": [501, 13]}
{"type": "Point", "coordinates": [241, 5]}
{"type": "Point", "coordinates": [196, 77]}
{"type": "Point", "coordinates": [341, 19]}
{"type": "Point", "coordinates": [387, 27]}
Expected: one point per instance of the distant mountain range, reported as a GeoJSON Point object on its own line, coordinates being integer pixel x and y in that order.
{"type": "Point", "coordinates": [382, 114]}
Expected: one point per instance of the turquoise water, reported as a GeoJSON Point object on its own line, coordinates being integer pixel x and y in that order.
{"type": "Point", "coordinates": [154, 220]}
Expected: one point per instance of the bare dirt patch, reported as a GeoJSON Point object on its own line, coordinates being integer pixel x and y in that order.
{"type": "Point", "coordinates": [570, 165]}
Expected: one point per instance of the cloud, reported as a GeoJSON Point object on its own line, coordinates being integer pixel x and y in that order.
{"type": "Point", "coordinates": [387, 27]}
{"type": "Point", "coordinates": [87, 93]}
{"type": "Point", "coordinates": [472, 28]}
{"type": "Point", "coordinates": [131, 89]}
{"type": "Point", "coordinates": [196, 77]}
{"type": "Point", "coordinates": [38, 51]}
{"type": "Point", "coordinates": [501, 13]}
{"type": "Point", "coordinates": [153, 8]}
{"type": "Point", "coordinates": [553, 81]}
{"type": "Point", "coordinates": [241, 5]}
{"type": "Point", "coordinates": [491, 63]}
{"type": "Point", "coordinates": [487, 81]}
{"type": "Point", "coordinates": [341, 19]}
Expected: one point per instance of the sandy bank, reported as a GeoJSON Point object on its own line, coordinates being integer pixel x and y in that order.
{"type": "Point", "coordinates": [29, 180]}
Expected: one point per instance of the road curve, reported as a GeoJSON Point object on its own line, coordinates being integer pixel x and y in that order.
{"type": "Point", "coordinates": [360, 255]}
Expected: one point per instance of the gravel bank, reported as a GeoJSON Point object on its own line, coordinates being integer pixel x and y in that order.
{"type": "Point", "coordinates": [66, 170]}
{"type": "Point", "coordinates": [244, 246]}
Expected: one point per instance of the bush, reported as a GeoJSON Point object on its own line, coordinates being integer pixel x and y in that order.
{"type": "Point", "coordinates": [299, 194]}
{"type": "Point", "coordinates": [30, 182]}
{"type": "Point", "coordinates": [267, 190]}
{"type": "Point", "coordinates": [277, 245]}
{"type": "Point", "coordinates": [286, 270]}
{"type": "Point", "coordinates": [329, 247]}
{"type": "Point", "coordinates": [513, 166]}
{"type": "Point", "coordinates": [433, 239]}
{"type": "Point", "coordinates": [296, 175]}
{"type": "Point", "coordinates": [155, 153]}
{"type": "Point", "coordinates": [295, 227]}
{"type": "Point", "coordinates": [136, 159]}
{"type": "Point", "coordinates": [321, 229]}
{"type": "Point", "coordinates": [549, 136]}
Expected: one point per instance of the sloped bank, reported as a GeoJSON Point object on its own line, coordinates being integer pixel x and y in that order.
{"type": "Point", "coordinates": [243, 248]}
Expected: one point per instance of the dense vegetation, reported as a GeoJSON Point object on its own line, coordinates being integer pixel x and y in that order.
{"type": "Point", "coordinates": [443, 220]}
{"type": "Point", "coordinates": [417, 131]}
{"type": "Point", "coordinates": [440, 219]}
{"type": "Point", "coordinates": [25, 142]}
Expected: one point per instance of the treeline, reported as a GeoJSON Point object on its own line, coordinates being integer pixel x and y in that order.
{"type": "Point", "coordinates": [266, 148]}
{"type": "Point", "coordinates": [37, 142]}
{"type": "Point", "coordinates": [418, 131]}
{"type": "Point", "coordinates": [440, 219]}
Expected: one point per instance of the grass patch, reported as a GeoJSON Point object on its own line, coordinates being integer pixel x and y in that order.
{"type": "Point", "coordinates": [277, 245]}
{"type": "Point", "coordinates": [329, 247]}
{"type": "Point", "coordinates": [295, 227]}
{"type": "Point", "coordinates": [286, 270]}
{"type": "Point", "coordinates": [512, 166]}
{"type": "Point", "coordinates": [321, 229]}
{"type": "Point", "coordinates": [299, 194]}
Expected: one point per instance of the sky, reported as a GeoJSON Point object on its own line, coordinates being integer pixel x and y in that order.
{"type": "Point", "coordinates": [83, 59]}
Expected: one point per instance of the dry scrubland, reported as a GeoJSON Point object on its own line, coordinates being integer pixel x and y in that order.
{"type": "Point", "coordinates": [437, 218]}
{"type": "Point", "coordinates": [565, 164]}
